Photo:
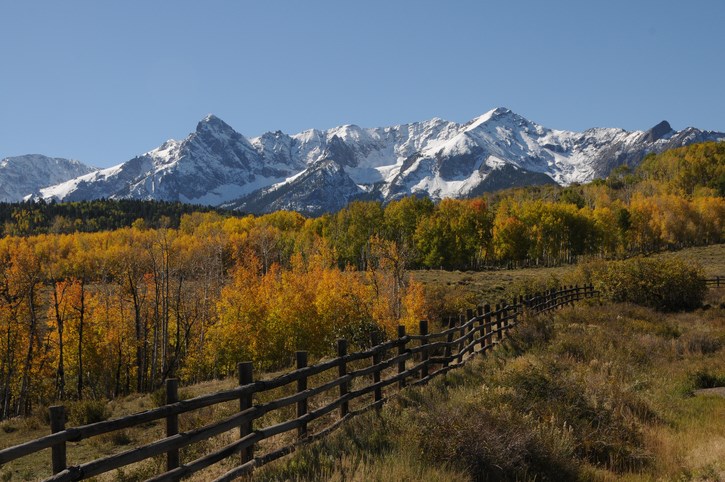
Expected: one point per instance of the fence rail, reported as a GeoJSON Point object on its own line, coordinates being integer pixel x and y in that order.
{"type": "Point", "coordinates": [716, 282]}
{"type": "Point", "coordinates": [366, 379]}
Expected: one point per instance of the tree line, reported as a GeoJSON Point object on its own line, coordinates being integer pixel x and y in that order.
{"type": "Point", "coordinates": [41, 217]}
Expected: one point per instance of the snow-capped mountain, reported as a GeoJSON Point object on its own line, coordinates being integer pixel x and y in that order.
{"type": "Point", "coordinates": [24, 175]}
{"type": "Point", "coordinates": [212, 165]}
{"type": "Point", "coordinates": [317, 171]}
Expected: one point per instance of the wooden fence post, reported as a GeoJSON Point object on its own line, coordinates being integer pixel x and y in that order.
{"type": "Point", "coordinates": [479, 314]}
{"type": "Point", "coordinates": [401, 351]}
{"type": "Point", "coordinates": [172, 421]}
{"type": "Point", "coordinates": [560, 295]}
{"type": "Point", "coordinates": [487, 325]}
{"type": "Point", "coordinates": [423, 325]}
{"type": "Point", "coordinates": [377, 358]}
{"type": "Point", "coordinates": [506, 321]}
{"type": "Point", "coordinates": [499, 328]}
{"type": "Point", "coordinates": [461, 333]}
{"type": "Point", "coordinates": [245, 372]}
{"type": "Point", "coordinates": [552, 298]}
{"type": "Point", "coordinates": [57, 424]}
{"type": "Point", "coordinates": [341, 372]}
{"type": "Point", "coordinates": [449, 340]}
{"type": "Point", "coordinates": [301, 357]}
{"type": "Point", "coordinates": [515, 306]}
{"type": "Point", "coordinates": [471, 332]}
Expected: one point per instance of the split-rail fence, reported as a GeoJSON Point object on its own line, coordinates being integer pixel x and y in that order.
{"type": "Point", "coordinates": [351, 383]}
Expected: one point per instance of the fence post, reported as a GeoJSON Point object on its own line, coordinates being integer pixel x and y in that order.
{"type": "Point", "coordinates": [172, 421]}
{"type": "Point", "coordinates": [499, 328]}
{"type": "Point", "coordinates": [479, 314]}
{"type": "Point", "coordinates": [449, 340]}
{"type": "Point", "coordinates": [245, 372]}
{"type": "Point", "coordinates": [515, 305]}
{"type": "Point", "coordinates": [560, 296]}
{"type": "Point", "coordinates": [377, 358]}
{"type": "Point", "coordinates": [504, 317]}
{"type": "Point", "coordinates": [550, 298]}
{"type": "Point", "coordinates": [568, 295]}
{"type": "Point", "coordinates": [471, 328]}
{"type": "Point", "coordinates": [341, 372]}
{"type": "Point", "coordinates": [424, 352]}
{"type": "Point", "coordinates": [461, 333]}
{"type": "Point", "coordinates": [57, 424]}
{"type": "Point", "coordinates": [301, 357]}
{"type": "Point", "coordinates": [401, 351]}
{"type": "Point", "coordinates": [487, 326]}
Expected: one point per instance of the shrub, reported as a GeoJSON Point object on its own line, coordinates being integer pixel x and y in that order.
{"type": "Point", "coordinates": [494, 442]}
{"type": "Point", "coordinates": [706, 379]}
{"type": "Point", "coordinates": [118, 438]}
{"type": "Point", "coordinates": [599, 414]}
{"type": "Point", "coordinates": [83, 412]}
{"type": "Point", "coordinates": [663, 284]}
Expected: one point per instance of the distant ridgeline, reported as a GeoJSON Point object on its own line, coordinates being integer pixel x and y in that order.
{"type": "Point", "coordinates": [39, 217]}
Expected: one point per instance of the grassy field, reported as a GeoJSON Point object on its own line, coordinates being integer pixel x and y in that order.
{"type": "Point", "coordinates": [622, 406]}
{"type": "Point", "coordinates": [598, 393]}
{"type": "Point", "coordinates": [491, 286]}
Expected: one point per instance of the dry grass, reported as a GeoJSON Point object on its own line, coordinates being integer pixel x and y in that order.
{"type": "Point", "coordinates": [492, 286]}
{"type": "Point", "coordinates": [605, 395]}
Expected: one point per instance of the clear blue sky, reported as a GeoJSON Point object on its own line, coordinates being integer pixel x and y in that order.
{"type": "Point", "coordinates": [102, 81]}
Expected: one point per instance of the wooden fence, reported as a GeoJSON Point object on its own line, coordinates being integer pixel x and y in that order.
{"type": "Point", "coordinates": [715, 282]}
{"type": "Point", "coordinates": [351, 384]}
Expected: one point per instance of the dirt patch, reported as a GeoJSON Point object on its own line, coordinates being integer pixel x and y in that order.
{"type": "Point", "coordinates": [718, 391]}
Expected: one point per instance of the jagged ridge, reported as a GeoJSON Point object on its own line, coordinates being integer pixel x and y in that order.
{"type": "Point", "coordinates": [317, 171]}
{"type": "Point", "coordinates": [21, 176]}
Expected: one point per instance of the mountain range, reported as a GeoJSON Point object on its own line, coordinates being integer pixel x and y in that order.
{"type": "Point", "coordinates": [319, 171]}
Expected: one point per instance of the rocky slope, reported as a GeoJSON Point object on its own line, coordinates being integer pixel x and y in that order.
{"type": "Point", "coordinates": [21, 176]}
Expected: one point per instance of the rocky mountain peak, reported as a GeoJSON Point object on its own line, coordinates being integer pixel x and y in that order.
{"type": "Point", "coordinates": [658, 132]}
{"type": "Point", "coordinates": [211, 124]}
